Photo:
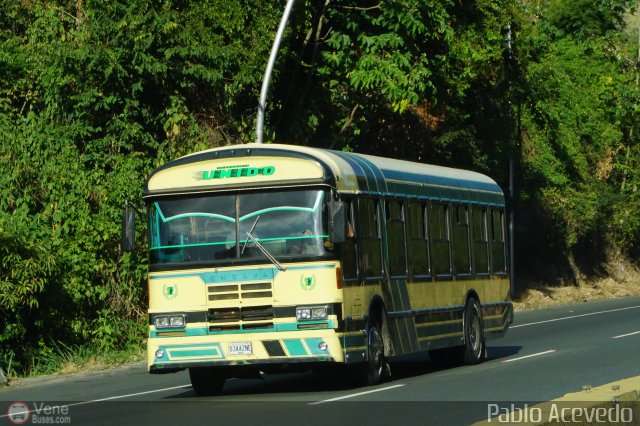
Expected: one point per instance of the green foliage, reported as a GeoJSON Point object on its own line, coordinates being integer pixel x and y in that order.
{"type": "Point", "coordinates": [625, 222]}
{"type": "Point", "coordinates": [374, 74]}
{"type": "Point", "coordinates": [93, 96]}
{"type": "Point", "coordinates": [587, 18]}
{"type": "Point", "coordinates": [577, 120]}
{"type": "Point", "coordinates": [96, 94]}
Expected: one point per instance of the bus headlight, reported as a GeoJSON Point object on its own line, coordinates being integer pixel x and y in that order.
{"type": "Point", "coordinates": [170, 321]}
{"type": "Point", "coordinates": [310, 313]}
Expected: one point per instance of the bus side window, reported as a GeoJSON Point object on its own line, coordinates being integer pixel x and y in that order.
{"type": "Point", "coordinates": [498, 248]}
{"type": "Point", "coordinates": [420, 265]}
{"type": "Point", "coordinates": [369, 238]}
{"type": "Point", "coordinates": [348, 248]}
{"type": "Point", "coordinates": [440, 239]}
{"type": "Point", "coordinates": [461, 253]}
{"type": "Point", "coordinates": [480, 240]}
{"type": "Point", "coordinates": [396, 239]}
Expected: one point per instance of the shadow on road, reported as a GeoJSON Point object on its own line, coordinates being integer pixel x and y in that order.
{"type": "Point", "coordinates": [340, 379]}
{"type": "Point", "coordinates": [499, 352]}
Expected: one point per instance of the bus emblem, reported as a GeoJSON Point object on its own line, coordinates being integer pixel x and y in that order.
{"type": "Point", "coordinates": [170, 291]}
{"type": "Point", "coordinates": [308, 283]}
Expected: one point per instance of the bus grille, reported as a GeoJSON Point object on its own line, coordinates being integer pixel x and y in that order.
{"type": "Point", "coordinates": [239, 291]}
{"type": "Point", "coordinates": [243, 318]}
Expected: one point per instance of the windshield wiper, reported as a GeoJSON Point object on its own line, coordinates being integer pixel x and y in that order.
{"type": "Point", "coordinates": [244, 246]}
{"type": "Point", "coordinates": [264, 251]}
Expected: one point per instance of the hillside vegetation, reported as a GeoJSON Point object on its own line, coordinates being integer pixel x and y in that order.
{"type": "Point", "coordinates": [95, 94]}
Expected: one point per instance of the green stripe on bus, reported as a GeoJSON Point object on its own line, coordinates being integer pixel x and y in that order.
{"type": "Point", "coordinates": [430, 331]}
{"type": "Point", "coordinates": [189, 332]}
{"type": "Point", "coordinates": [205, 350]}
{"type": "Point", "coordinates": [295, 347]}
{"type": "Point", "coordinates": [253, 274]}
{"type": "Point", "coordinates": [204, 331]}
{"type": "Point", "coordinates": [193, 353]}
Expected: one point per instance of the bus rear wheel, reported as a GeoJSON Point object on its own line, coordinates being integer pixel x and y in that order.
{"type": "Point", "coordinates": [474, 349]}
{"type": "Point", "coordinates": [206, 380]}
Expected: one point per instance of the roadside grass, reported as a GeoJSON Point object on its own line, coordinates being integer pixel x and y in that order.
{"type": "Point", "coordinates": [63, 359]}
{"type": "Point", "coordinates": [74, 359]}
{"type": "Point", "coordinates": [540, 296]}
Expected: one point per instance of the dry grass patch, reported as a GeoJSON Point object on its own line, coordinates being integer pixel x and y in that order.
{"type": "Point", "coordinates": [623, 280]}
{"type": "Point", "coordinates": [99, 362]}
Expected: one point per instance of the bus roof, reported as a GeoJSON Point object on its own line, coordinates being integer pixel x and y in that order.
{"type": "Point", "coordinates": [277, 165]}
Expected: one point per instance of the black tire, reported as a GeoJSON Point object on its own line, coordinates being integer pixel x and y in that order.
{"type": "Point", "coordinates": [474, 350]}
{"type": "Point", "coordinates": [376, 369]}
{"type": "Point", "coordinates": [206, 380]}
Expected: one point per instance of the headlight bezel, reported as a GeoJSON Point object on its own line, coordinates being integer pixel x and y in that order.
{"type": "Point", "coordinates": [170, 321]}
{"type": "Point", "coordinates": [312, 313]}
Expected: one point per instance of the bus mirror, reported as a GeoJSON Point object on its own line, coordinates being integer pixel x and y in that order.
{"type": "Point", "coordinates": [128, 230]}
{"type": "Point", "coordinates": [337, 222]}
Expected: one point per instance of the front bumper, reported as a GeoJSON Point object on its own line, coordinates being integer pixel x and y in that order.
{"type": "Point", "coordinates": [168, 354]}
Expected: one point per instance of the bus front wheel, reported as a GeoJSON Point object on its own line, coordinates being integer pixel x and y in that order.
{"type": "Point", "coordinates": [206, 380]}
{"type": "Point", "coordinates": [376, 368]}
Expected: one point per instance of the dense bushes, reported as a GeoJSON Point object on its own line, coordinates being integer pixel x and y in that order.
{"type": "Point", "coordinates": [92, 97]}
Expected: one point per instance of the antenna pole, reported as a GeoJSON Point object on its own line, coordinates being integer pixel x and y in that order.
{"type": "Point", "coordinates": [514, 146]}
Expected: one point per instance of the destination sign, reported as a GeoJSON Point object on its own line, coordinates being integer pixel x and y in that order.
{"type": "Point", "coordinates": [234, 172]}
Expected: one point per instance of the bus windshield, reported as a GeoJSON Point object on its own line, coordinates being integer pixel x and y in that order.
{"type": "Point", "coordinates": [213, 228]}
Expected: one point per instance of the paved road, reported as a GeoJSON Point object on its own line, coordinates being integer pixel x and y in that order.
{"type": "Point", "coordinates": [546, 354]}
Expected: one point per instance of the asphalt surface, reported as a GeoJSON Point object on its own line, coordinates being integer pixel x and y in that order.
{"type": "Point", "coordinates": [546, 354]}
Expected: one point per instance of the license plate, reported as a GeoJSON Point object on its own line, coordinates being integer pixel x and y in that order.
{"type": "Point", "coordinates": [240, 348]}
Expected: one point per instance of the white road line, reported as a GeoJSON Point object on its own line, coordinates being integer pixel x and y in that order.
{"type": "Point", "coordinates": [626, 335]}
{"type": "Point", "coordinates": [530, 356]}
{"type": "Point", "coordinates": [353, 395]}
{"type": "Point", "coordinates": [111, 398]}
{"type": "Point", "coordinates": [575, 316]}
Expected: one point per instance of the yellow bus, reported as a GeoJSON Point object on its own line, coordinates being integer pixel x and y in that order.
{"type": "Point", "coordinates": [268, 257]}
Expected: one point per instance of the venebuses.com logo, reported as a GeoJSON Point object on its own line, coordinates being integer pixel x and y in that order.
{"type": "Point", "coordinates": [19, 413]}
